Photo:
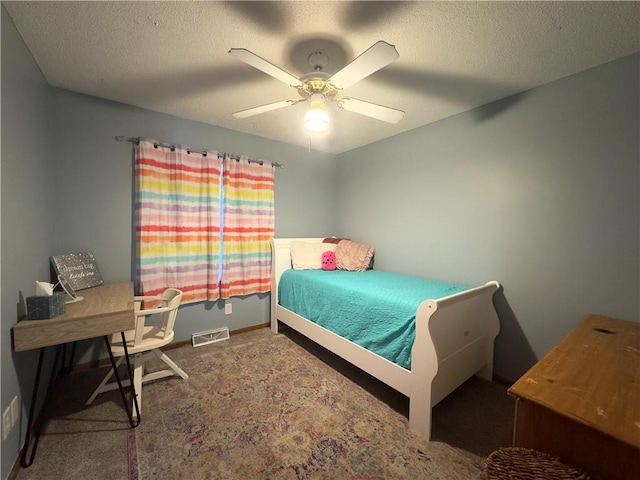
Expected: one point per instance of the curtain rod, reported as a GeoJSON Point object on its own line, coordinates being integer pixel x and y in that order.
{"type": "Point", "coordinates": [136, 140]}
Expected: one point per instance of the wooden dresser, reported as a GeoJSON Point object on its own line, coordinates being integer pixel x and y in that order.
{"type": "Point", "coordinates": [581, 402]}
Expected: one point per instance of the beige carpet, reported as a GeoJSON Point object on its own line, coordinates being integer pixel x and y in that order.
{"type": "Point", "coordinates": [81, 442]}
{"type": "Point", "coordinates": [262, 406]}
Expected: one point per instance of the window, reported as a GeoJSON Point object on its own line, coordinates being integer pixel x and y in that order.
{"type": "Point", "coordinates": [203, 222]}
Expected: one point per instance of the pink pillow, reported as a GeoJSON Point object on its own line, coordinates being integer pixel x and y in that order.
{"type": "Point", "coordinates": [328, 260]}
{"type": "Point", "coordinates": [354, 256]}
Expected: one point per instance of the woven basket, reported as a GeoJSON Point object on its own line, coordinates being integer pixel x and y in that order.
{"type": "Point", "coordinates": [514, 463]}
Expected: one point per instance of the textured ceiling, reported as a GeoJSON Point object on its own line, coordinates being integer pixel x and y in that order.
{"type": "Point", "coordinates": [172, 57]}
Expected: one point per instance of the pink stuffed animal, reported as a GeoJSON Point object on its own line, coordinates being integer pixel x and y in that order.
{"type": "Point", "coordinates": [328, 260]}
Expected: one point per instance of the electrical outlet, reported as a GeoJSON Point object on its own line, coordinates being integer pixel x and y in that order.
{"type": "Point", "coordinates": [6, 423]}
{"type": "Point", "coordinates": [228, 308]}
{"type": "Point", "coordinates": [15, 411]}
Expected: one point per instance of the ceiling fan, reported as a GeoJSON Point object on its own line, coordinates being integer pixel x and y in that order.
{"type": "Point", "coordinates": [317, 86]}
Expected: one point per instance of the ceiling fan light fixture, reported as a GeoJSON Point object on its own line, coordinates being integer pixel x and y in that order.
{"type": "Point", "coordinates": [318, 86]}
{"type": "Point", "coordinates": [317, 119]}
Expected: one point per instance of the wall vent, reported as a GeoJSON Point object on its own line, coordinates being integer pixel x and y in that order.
{"type": "Point", "coordinates": [210, 336]}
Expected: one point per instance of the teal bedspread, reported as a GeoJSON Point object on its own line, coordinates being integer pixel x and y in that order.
{"type": "Point", "coordinates": [374, 309]}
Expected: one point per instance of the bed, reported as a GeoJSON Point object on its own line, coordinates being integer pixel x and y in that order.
{"type": "Point", "coordinates": [454, 338]}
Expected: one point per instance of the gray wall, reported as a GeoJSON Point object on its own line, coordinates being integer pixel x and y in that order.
{"type": "Point", "coordinates": [539, 191]}
{"type": "Point", "coordinates": [27, 220]}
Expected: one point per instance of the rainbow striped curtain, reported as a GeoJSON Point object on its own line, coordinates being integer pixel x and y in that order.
{"type": "Point", "coordinates": [249, 223]}
{"type": "Point", "coordinates": [177, 215]}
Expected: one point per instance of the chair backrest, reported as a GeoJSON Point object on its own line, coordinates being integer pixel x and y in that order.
{"type": "Point", "coordinates": [167, 309]}
{"type": "Point", "coordinates": [171, 299]}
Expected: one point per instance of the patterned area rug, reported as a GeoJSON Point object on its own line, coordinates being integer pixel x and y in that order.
{"type": "Point", "coordinates": [264, 407]}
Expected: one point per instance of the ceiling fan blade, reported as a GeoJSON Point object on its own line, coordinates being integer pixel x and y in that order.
{"type": "Point", "coordinates": [386, 114]}
{"type": "Point", "coordinates": [260, 63]}
{"type": "Point", "coordinates": [265, 108]}
{"type": "Point", "coordinates": [371, 60]}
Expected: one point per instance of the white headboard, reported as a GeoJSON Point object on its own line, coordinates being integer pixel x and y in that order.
{"type": "Point", "coordinates": [281, 259]}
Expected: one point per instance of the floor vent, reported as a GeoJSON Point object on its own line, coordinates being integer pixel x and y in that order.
{"type": "Point", "coordinates": [211, 336]}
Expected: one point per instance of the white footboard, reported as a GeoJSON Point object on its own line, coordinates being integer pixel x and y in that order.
{"type": "Point", "coordinates": [454, 340]}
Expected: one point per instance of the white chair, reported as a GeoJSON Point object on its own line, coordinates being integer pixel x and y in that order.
{"type": "Point", "coordinates": [144, 342]}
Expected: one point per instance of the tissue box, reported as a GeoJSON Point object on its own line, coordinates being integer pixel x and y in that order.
{"type": "Point", "coordinates": [39, 308]}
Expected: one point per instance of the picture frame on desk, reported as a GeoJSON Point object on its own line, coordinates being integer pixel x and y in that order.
{"type": "Point", "coordinates": [79, 269]}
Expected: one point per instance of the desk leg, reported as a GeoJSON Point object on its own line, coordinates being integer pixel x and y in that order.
{"type": "Point", "coordinates": [37, 429]}
{"type": "Point", "coordinates": [132, 422]}
{"type": "Point", "coordinates": [130, 372]}
{"type": "Point", "coordinates": [30, 422]}
{"type": "Point", "coordinates": [66, 367]}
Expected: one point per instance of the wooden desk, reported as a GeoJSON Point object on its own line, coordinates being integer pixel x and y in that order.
{"type": "Point", "coordinates": [104, 310]}
{"type": "Point", "coordinates": [581, 402]}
